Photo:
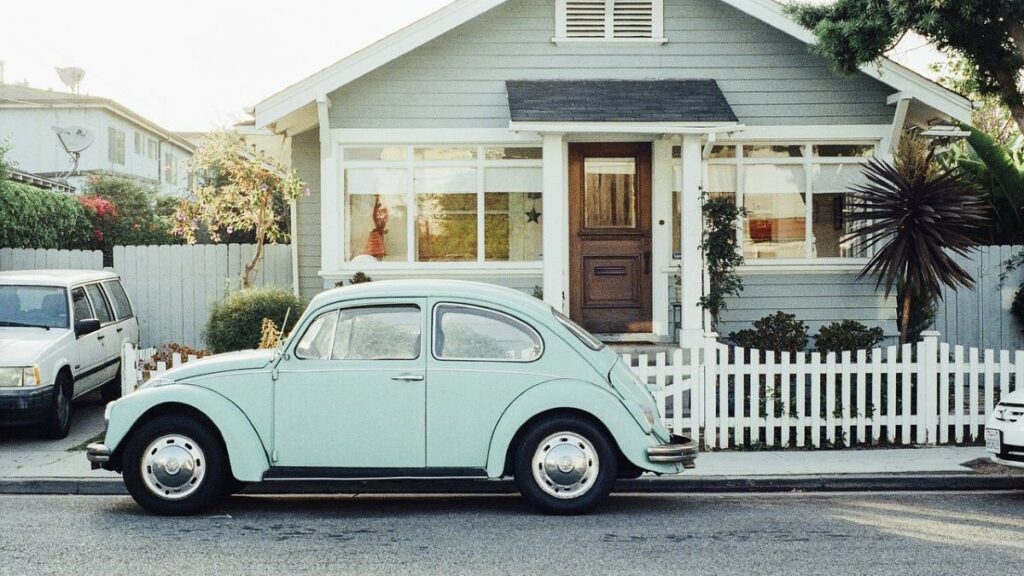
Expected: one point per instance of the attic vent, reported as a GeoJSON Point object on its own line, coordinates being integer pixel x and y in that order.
{"type": "Point", "coordinates": [603, 20]}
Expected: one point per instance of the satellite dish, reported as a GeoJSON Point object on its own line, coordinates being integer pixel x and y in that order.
{"type": "Point", "coordinates": [72, 77]}
{"type": "Point", "coordinates": [74, 139]}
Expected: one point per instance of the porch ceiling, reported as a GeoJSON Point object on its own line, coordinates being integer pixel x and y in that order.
{"type": "Point", "coordinates": [635, 101]}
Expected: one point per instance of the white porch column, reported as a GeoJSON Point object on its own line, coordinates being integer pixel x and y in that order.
{"type": "Point", "coordinates": [691, 329]}
{"type": "Point", "coordinates": [556, 222]}
{"type": "Point", "coordinates": [330, 229]}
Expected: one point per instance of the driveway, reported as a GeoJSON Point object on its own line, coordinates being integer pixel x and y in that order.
{"type": "Point", "coordinates": [24, 454]}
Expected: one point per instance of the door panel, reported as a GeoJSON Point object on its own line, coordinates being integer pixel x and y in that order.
{"type": "Point", "coordinates": [357, 400]}
{"type": "Point", "coordinates": [90, 348]}
{"type": "Point", "coordinates": [110, 349]}
{"type": "Point", "coordinates": [610, 236]}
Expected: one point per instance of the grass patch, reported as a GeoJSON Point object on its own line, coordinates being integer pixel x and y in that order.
{"type": "Point", "coordinates": [81, 447]}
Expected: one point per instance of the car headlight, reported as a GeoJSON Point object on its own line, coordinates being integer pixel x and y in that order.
{"type": "Point", "coordinates": [27, 377]}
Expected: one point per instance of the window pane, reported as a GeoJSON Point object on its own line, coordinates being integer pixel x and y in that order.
{"type": "Point", "coordinates": [844, 150]}
{"type": "Point", "coordinates": [119, 299]}
{"type": "Point", "coordinates": [99, 304]}
{"type": "Point", "coordinates": [513, 230]}
{"type": "Point", "coordinates": [721, 184]}
{"type": "Point", "coordinates": [35, 305]}
{"type": "Point", "coordinates": [446, 227]}
{"type": "Point", "coordinates": [463, 333]}
{"type": "Point", "coordinates": [784, 151]}
{"type": "Point", "coordinates": [316, 342]}
{"type": "Point", "coordinates": [377, 227]}
{"type": "Point", "coordinates": [776, 212]}
{"type": "Point", "coordinates": [514, 153]}
{"type": "Point", "coordinates": [80, 305]}
{"type": "Point", "coordinates": [465, 153]}
{"type": "Point", "coordinates": [830, 227]}
{"type": "Point", "coordinates": [376, 181]}
{"type": "Point", "coordinates": [445, 180]}
{"type": "Point", "coordinates": [837, 177]}
{"type": "Point", "coordinates": [386, 153]}
{"type": "Point", "coordinates": [610, 198]}
{"type": "Point", "coordinates": [384, 333]}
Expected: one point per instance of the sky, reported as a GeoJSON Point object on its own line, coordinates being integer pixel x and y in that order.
{"type": "Point", "coordinates": [196, 65]}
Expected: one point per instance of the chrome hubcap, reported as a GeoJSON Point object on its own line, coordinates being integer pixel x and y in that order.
{"type": "Point", "coordinates": [565, 465]}
{"type": "Point", "coordinates": [173, 467]}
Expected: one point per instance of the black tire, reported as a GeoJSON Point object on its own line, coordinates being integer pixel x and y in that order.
{"type": "Point", "coordinates": [58, 416]}
{"type": "Point", "coordinates": [543, 435]}
{"type": "Point", "coordinates": [216, 473]}
{"type": "Point", "coordinates": [112, 390]}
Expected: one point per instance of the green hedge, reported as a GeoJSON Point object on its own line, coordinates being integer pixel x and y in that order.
{"type": "Point", "coordinates": [35, 218]}
{"type": "Point", "coordinates": [236, 322]}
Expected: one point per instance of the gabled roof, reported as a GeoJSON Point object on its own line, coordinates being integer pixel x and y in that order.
{"type": "Point", "coordinates": [21, 96]}
{"type": "Point", "coordinates": [459, 12]}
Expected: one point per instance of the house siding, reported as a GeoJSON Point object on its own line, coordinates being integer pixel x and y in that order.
{"type": "Point", "coordinates": [457, 80]}
{"type": "Point", "coordinates": [306, 162]}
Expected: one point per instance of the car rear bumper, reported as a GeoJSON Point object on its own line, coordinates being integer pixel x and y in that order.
{"type": "Point", "coordinates": [26, 406]}
{"type": "Point", "coordinates": [679, 450]}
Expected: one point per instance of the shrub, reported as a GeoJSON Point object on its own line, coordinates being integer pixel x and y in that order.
{"type": "Point", "coordinates": [123, 212]}
{"type": "Point", "coordinates": [1017, 308]}
{"type": "Point", "coordinates": [847, 335]}
{"type": "Point", "coordinates": [779, 332]}
{"type": "Point", "coordinates": [237, 322]}
{"type": "Point", "coordinates": [35, 218]}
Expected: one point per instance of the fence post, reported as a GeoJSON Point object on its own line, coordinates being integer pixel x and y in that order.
{"type": "Point", "coordinates": [128, 374]}
{"type": "Point", "coordinates": [928, 383]}
{"type": "Point", "coordinates": [709, 378]}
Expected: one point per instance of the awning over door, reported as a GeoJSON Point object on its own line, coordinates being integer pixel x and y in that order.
{"type": "Point", "coordinates": [625, 101]}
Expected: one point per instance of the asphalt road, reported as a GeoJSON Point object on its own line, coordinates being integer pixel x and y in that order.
{"type": "Point", "coordinates": [853, 533]}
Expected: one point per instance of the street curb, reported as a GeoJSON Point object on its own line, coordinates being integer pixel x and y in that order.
{"type": "Point", "coordinates": [671, 485]}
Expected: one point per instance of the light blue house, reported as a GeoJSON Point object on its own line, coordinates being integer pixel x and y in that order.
{"type": "Point", "coordinates": [562, 147]}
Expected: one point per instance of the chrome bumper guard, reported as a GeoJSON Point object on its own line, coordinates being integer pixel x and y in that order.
{"type": "Point", "coordinates": [98, 454]}
{"type": "Point", "coordinates": [680, 450]}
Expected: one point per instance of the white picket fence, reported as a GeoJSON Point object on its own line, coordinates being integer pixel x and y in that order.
{"type": "Point", "coordinates": [145, 369]}
{"type": "Point", "coordinates": [928, 393]}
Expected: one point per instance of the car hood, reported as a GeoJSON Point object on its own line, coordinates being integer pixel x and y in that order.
{"type": "Point", "coordinates": [23, 346]}
{"type": "Point", "coordinates": [1016, 397]}
{"type": "Point", "coordinates": [232, 361]}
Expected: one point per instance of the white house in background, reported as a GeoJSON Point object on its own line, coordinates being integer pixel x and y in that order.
{"type": "Point", "coordinates": [564, 146]}
{"type": "Point", "coordinates": [125, 143]}
{"type": "Point", "coordinates": [261, 141]}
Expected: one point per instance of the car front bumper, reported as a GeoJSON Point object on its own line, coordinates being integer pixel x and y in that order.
{"type": "Point", "coordinates": [679, 450]}
{"type": "Point", "coordinates": [25, 406]}
{"type": "Point", "coordinates": [98, 455]}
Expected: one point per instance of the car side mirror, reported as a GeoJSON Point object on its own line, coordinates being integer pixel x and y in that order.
{"type": "Point", "coordinates": [86, 327]}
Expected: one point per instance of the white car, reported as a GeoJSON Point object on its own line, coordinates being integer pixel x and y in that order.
{"type": "Point", "coordinates": [1004, 431]}
{"type": "Point", "coordinates": [61, 335]}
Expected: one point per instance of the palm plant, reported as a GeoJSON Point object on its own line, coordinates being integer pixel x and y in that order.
{"type": "Point", "coordinates": [916, 217]}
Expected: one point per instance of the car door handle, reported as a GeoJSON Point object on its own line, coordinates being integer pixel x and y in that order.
{"type": "Point", "coordinates": [408, 378]}
{"type": "Point", "coordinates": [119, 330]}
{"type": "Point", "coordinates": [100, 337]}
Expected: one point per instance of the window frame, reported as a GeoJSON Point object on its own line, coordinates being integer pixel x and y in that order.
{"type": "Point", "coordinates": [110, 299]}
{"type": "Point", "coordinates": [71, 300]}
{"type": "Point", "coordinates": [106, 301]}
{"type": "Point", "coordinates": [435, 325]}
{"type": "Point", "coordinates": [116, 145]}
{"type": "Point", "coordinates": [657, 26]}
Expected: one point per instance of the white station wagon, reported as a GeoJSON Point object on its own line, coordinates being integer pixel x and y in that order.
{"type": "Point", "coordinates": [61, 335]}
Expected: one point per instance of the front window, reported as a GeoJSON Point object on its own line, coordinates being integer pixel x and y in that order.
{"type": "Point", "coordinates": [795, 196]}
{"type": "Point", "coordinates": [33, 306]}
{"type": "Point", "coordinates": [367, 333]}
{"type": "Point", "coordinates": [443, 203]}
{"type": "Point", "coordinates": [470, 333]}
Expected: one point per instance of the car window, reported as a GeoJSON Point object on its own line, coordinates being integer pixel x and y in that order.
{"type": "Point", "coordinates": [118, 298]}
{"type": "Point", "coordinates": [470, 333]}
{"type": "Point", "coordinates": [41, 306]}
{"type": "Point", "coordinates": [578, 331]}
{"type": "Point", "coordinates": [80, 305]}
{"type": "Point", "coordinates": [99, 303]}
{"type": "Point", "coordinates": [379, 333]}
{"type": "Point", "coordinates": [319, 337]}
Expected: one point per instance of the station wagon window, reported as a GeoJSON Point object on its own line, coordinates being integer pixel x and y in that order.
{"type": "Point", "coordinates": [80, 305]}
{"type": "Point", "coordinates": [33, 306]}
{"type": "Point", "coordinates": [99, 303]}
{"type": "Point", "coordinates": [118, 298]}
{"type": "Point", "coordinates": [379, 333]}
{"type": "Point", "coordinates": [469, 333]}
{"type": "Point", "coordinates": [319, 337]}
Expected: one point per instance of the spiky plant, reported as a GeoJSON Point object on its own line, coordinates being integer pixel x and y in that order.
{"type": "Point", "coordinates": [916, 217]}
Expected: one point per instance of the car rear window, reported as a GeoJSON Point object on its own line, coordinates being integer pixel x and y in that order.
{"type": "Point", "coordinates": [578, 331]}
{"type": "Point", "coordinates": [118, 298]}
{"type": "Point", "coordinates": [99, 303]}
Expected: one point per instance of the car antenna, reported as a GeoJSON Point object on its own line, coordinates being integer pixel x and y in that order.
{"type": "Point", "coordinates": [280, 336]}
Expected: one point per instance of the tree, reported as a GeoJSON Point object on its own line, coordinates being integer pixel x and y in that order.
{"type": "Point", "coordinates": [123, 212]}
{"type": "Point", "coordinates": [991, 116]}
{"type": "Point", "coordinates": [237, 192]}
{"type": "Point", "coordinates": [988, 34]}
{"type": "Point", "coordinates": [914, 215]}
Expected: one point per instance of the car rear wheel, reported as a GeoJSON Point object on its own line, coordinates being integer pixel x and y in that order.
{"type": "Point", "coordinates": [58, 416]}
{"type": "Point", "coordinates": [565, 465]}
{"type": "Point", "coordinates": [175, 466]}
{"type": "Point", "coordinates": [112, 390]}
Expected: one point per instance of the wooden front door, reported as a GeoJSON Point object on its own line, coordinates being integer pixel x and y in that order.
{"type": "Point", "coordinates": [610, 237]}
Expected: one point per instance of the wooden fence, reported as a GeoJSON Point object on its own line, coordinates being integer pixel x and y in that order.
{"type": "Point", "coordinates": [21, 259]}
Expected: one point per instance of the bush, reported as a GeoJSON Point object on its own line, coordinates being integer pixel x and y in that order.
{"type": "Point", "coordinates": [847, 335]}
{"type": "Point", "coordinates": [779, 332]}
{"type": "Point", "coordinates": [236, 323]}
{"type": "Point", "coordinates": [35, 218]}
{"type": "Point", "coordinates": [1017, 308]}
{"type": "Point", "coordinates": [123, 212]}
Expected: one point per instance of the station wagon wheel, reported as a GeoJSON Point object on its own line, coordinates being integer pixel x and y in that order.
{"type": "Point", "coordinates": [565, 465]}
{"type": "Point", "coordinates": [58, 419]}
{"type": "Point", "coordinates": [175, 465]}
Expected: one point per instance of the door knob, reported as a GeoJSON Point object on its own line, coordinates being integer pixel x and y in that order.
{"type": "Point", "coordinates": [408, 378]}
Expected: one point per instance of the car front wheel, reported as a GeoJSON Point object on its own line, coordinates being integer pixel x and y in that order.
{"type": "Point", "coordinates": [58, 416]}
{"type": "Point", "coordinates": [565, 465]}
{"type": "Point", "coordinates": [175, 465]}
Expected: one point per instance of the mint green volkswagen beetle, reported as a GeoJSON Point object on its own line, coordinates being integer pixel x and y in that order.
{"type": "Point", "coordinates": [402, 379]}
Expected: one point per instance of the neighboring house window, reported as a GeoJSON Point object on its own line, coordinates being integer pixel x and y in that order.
{"type": "Point", "coordinates": [151, 151]}
{"type": "Point", "coordinates": [139, 144]}
{"type": "Point", "coordinates": [444, 204]}
{"type": "Point", "coordinates": [170, 169]}
{"type": "Point", "coordinates": [603, 20]}
{"type": "Point", "coordinates": [795, 196]}
{"type": "Point", "coordinates": [115, 146]}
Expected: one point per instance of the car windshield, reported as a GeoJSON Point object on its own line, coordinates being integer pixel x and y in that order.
{"type": "Point", "coordinates": [587, 338]}
{"type": "Point", "coordinates": [33, 307]}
